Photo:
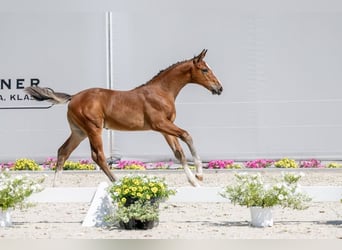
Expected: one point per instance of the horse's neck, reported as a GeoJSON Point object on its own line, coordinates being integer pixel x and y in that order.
{"type": "Point", "coordinates": [174, 79]}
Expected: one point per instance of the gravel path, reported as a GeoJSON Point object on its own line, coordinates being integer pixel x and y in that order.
{"type": "Point", "coordinates": [183, 220]}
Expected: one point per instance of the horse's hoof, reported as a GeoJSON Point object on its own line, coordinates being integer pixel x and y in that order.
{"type": "Point", "coordinates": [194, 183]}
{"type": "Point", "coordinates": [199, 177]}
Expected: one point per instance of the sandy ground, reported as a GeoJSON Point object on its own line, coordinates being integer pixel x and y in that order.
{"type": "Point", "coordinates": [183, 220]}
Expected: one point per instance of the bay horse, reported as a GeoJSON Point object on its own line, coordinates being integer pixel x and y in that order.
{"type": "Point", "coordinates": [150, 106]}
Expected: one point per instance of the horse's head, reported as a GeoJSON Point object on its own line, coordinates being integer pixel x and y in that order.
{"type": "Point", "coordinates": [202, 74]}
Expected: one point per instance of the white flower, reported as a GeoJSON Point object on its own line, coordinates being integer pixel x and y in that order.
{"type": "Point", "coordinates": [280, 197]}
{"type": "Point", "coordinates": [19, 178]}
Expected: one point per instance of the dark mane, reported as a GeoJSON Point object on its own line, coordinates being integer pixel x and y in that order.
{"type": "Point", "coordinates": [162, 71]}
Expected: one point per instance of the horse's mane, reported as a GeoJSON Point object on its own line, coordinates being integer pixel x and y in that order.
{"type": "Point", "coordinates": [162, 71]}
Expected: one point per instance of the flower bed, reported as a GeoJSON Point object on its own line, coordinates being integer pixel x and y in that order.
{"type": "Point", "coordinates": [50, 164]}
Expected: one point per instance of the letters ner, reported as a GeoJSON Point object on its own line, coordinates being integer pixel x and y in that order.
{"type": "Point", "coordinates": [18, 83]}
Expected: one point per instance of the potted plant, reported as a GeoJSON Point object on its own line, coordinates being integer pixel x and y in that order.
{"type": "Point", "coordinates": [260, 197]}
{"type": "Point", "coordinates": [138, 215]}
{"type": "Point", "coordinates": [14, 191]}
{"type": "Point", "coordinates": [137, 199]}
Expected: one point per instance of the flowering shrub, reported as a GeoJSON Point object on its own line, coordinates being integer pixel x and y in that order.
{"type": "Point", "coordinates": [334, 165]}
{"type": "Point", "coordinates": [260, 163]}
{"type": "Point", "coordinates": [15, 190]}
{"type": "Point", "coordinates": [313, 163]}
{"type": "Point", "coordinates": [131, 165]}
{"type": "Point", "coordinates": [25, 164]}
{"type": "Point", "coordinates": [6, 166]}
{"type": "Point", "coordinates": [286, 163]}
{"type": "Point", "coordinates": [160, 165]}
{"type": "Point", "coordinates": [250, 190]}
{"type": "Point", "coordinates": [222, 164]}
{"type": "Point", "coordinates": [139, 187]}
{"type": "Point", "coordinates": [50, 163]}
{"type": "Point", "coordinates": [81, 165]}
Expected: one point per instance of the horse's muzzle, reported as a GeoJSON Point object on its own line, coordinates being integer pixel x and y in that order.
{"type": "Point", "coordinates": [216, 90]}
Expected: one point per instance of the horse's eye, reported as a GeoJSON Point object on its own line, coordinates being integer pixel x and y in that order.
{"type": "Point", "coordinates": [204, 70]}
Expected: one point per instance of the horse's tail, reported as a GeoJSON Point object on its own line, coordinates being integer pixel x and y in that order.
{"type": "Point", "coordinates": [47, 94]}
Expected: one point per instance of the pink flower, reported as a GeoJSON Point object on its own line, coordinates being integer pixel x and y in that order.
{"type": "Point", "coordinates": [220, 164]}
{"type": "Point", "coordinates": [313, 163]}
{"type": "Point", "coordinates": [259, 163]}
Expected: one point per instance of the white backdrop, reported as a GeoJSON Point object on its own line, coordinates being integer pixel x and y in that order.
{"type": "Point", "coordinates": [65, 51]}
{"type": "Point", "coordinates": [281, 74]}
{"type": "Point", "coordinates": [279, 63]}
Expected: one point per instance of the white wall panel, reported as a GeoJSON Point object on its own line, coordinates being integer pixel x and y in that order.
{"type": "Point", "coordinates": [279, 63]}
{"type": "Point", "coordinates": [65, 51]}
{"type": "Point", "coordinates": [280, 71]}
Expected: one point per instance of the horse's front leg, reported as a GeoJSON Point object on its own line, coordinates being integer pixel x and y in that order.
{"type": "Point", "coordinates": [179, 154]}
{"type": "Point", "coordinates": [197, 161]}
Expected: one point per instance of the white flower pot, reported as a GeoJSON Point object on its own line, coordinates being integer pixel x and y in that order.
{"type": "Point", "coordinates": [5, 218]}
{"type": "Point", "coordinates": [261, 217]}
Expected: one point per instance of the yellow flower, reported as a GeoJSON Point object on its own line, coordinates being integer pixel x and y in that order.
{"type": "Point", "coordinates": [134, 189]}
{"type": "Point", "coordinates": [148, 197]}
{"type": "Point", "coordinates": [123, 200]}
{"type": "Point", "coordinates": [154, 190]}
{"type": "Point", "coordinates": [139, 195]}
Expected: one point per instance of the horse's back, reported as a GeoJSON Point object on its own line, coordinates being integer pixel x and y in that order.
{"type": "Point", "coordinates": [90, 101]}
{"type": "Point", "coordinates": [122, 110]}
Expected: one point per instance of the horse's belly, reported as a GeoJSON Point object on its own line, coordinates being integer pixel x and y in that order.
{"type": "Point", "coordinates": [127, 125]}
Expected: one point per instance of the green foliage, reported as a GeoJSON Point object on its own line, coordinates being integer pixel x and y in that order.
{"type": "Point", "coordinates": [138, 211]}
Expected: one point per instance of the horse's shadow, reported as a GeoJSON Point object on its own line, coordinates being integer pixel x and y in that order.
{"type": "Point", "coordinates": [337, 223]}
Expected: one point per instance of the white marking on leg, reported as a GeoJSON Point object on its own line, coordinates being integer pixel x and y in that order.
{"type": "Point", "coordinates": [191, 178]}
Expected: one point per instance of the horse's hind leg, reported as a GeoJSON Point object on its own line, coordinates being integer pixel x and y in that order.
{"type": "Point", "coordinates": [98, 155]}
{"type": "Point", "coordinates": [66, 149]}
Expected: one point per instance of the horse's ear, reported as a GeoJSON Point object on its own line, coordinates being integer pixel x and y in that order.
{"type": "Point", "coordinates": [201, 55]}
